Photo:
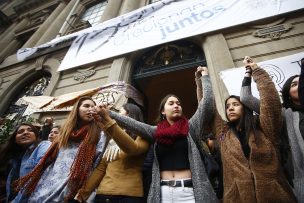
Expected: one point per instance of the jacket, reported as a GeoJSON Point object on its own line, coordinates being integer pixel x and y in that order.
{"type": "Point", "coordinates": [203, 191]}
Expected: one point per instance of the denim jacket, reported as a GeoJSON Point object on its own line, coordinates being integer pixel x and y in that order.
{"type": "Point", "coordinates": [29, 160]}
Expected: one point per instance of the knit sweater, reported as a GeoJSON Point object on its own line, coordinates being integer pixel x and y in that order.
{"type": "Point", "coordinates": [301, 86]}
{"type": "Point", "coordinates": [123, 176]}
{"type": "Point", "coordinates": [259, 178]}
{"type": "Point", "coordinates": [296, 142]}
{"type": "Point", "coordinates": [203, 191]}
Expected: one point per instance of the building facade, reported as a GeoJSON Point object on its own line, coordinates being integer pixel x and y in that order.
{"type": "Point", "coordinates": [154, 71]}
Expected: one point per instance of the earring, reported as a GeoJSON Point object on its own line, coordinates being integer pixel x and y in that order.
{"type": "Point", "coordinates": [163, 117]}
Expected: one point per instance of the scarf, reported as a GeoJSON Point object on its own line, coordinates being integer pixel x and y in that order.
{"type": "Point", "coordinates": [79, 171]}
{"type": "Point", "coordinates": [167, 134]}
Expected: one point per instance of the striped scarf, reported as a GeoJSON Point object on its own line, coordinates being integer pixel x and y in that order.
{"type": "Point", "coordinates": [79, 171]}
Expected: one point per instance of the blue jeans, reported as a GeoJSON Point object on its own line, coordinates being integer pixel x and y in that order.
{"type": "Point", "coordinates": [177, 194]}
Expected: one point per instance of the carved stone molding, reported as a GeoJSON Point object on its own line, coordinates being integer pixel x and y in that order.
{"type": "Point", "coordinates": [273, 32]}
{"type": "Point", "coordinates": [83, 74]}
{"type": "Point", "coordinates": [39, 62]}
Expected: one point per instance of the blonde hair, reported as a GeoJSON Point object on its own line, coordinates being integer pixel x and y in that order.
{"type": "Point", "coordinates": [71, 124]}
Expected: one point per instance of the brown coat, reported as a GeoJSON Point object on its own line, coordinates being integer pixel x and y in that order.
{"type": "Point", "coordinates": [259, 178]}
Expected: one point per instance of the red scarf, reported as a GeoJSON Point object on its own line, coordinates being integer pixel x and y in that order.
{"type": "Point", "coordinates": [166, 133]}
{"type": "Point", "coordinates": [79, 171]}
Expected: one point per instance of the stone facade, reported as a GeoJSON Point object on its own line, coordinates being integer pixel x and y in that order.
{"type": "Point", "coordinates": [34, 22]}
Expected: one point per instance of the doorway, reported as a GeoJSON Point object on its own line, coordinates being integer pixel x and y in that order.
{"type": "Point", "coordinates": [181, 83]}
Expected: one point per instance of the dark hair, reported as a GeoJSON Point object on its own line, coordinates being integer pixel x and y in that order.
{"type": "Point", "coordinates": [133, 111]}
{"type": "Point", "coordinates": [248, 123]}
{"type": "Point", "coordinates": [160, 116]}
{"type": "Point", "coordinates": [287, 100]}
{"type": "Point", "coordinates": [11, 149]}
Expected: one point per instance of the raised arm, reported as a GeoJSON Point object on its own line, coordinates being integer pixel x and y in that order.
{"type": "Point", "coordinates": [205, 110]}
{"type": "Point", "coordinates": [198, 82]}
{"type": "Point", "coordinates": [142, 129]}
{"type": "Point", "coordinates": [270, 105]}
{"type": "Point", "coordinates": [124, 141]}
{"type": "Point", "coordinates": [246, 96]}
{"type": "Point", "coordinates": [103, 115]}
{"type": "Point", "coordinates": [301, 83]}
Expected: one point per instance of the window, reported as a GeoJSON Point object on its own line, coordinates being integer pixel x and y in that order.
{"type": "Point", "coordinates": [93, 13]}
{"type": "Point", "coordinates": [153, 1]}
{"type": "Point", "coordinates": [16, 108]}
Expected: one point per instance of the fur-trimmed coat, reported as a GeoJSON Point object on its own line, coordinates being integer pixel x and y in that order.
{"type": "Point", "coordinates": [258, 178]}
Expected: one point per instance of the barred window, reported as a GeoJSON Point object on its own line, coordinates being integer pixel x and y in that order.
{"type": "Point", "coordinates": [93, 13]}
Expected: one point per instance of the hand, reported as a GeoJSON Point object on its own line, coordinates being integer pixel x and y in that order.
{"type": "Point", "coordinates": [200, 71]}
{"type": "Point", "coordinates": [77, 198]}
{"type": "Point", "coordinates": [249, 64]}
{"type": "Point", "coordinates": [102, 113]}
{"type": "Point", "coordinates": [203, 70]}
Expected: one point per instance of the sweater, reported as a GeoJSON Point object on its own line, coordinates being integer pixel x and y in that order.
{"type": "Point", "coordinates": [301, 86]}
{"type": "Point", "coordinates": [203, 191]}
{"type": "Point", "coordinates": [260, 178]}
{"type": "Point", "coordinates": [122, 176]}
{"type": "Point", "coordinates": [295, 139]}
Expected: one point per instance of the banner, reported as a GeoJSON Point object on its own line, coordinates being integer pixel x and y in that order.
{"type": "Point", "coordinates": [162, 22]}
{"type": "Point", "coordinates": [280, 69]}
{"type": "Point", "coordinates": [116, 94]}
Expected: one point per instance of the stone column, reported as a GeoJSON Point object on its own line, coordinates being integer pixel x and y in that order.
{"type": "Point", "coordinates": [120, 70]}
{"type": "Point", "coordinates": [9, 43]}
{"type": "Point", "coordinates": [9, 49]}
{"type": "Point", "coordinates": [45, 25]}
{"type": "Point", "coordinates": [121, 67]}
{"type": "Point", "coordinates": [129, 6]}
{"type": "Point", "coordinates": [111, 10]}
{"type": "Point", "coordinates": [9, 34]}
{"type": "Point", "coordinates": [218, 58]}
{"type": "Point", "coordinates": [54, 28]}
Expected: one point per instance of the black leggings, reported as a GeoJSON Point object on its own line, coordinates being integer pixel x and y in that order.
{"type": "Point", "coordinates": [117, 199]}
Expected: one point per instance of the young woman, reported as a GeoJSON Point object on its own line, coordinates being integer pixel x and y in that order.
{"type": "Point", "coordinates": [69, 160]}
{"type": "Point", "coordinates": [251, 166]}
{"type": "Point", "coordinates": [178, 171]}
{"type": "Point", "coordinates": [54, 133]}
{"type": "Point", "coordinates": [18, 151]}
{"type": "Point", "coordinates": [301, 83]}
{"type": "Point", "coordinates": [119, 175]}
{"type": "Point", "coordinates": [293, 127]}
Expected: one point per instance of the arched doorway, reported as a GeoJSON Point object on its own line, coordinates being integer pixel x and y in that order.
{"type": "Point", "coordinates": [165, 69]}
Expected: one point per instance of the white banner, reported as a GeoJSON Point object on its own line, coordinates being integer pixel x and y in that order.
{"type": "Point", "coordinates": [162, 22]}
{"type": "Point", "coordinates": [280, 69]}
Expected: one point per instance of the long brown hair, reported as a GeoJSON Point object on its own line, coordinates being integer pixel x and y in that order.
{"type": "Point", "coordinates": [72, 123]}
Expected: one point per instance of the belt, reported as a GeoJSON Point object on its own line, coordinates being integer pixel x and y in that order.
{"type": "Point", "coordinates": [177, 183]}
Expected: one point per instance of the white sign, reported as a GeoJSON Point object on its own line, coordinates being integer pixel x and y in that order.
{"type": "Point", "coordinates": [162, 22]}
{"type": "Point", "coordinates": [280, 69]}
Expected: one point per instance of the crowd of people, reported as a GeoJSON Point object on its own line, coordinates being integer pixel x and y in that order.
{"type": "Point", "coordinates": [100, 155]}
